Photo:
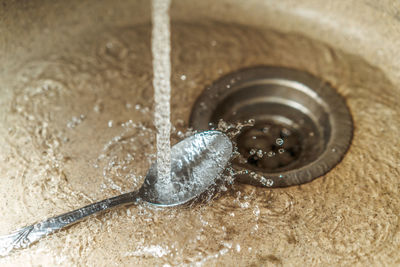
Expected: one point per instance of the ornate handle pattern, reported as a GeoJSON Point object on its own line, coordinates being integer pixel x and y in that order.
{"type": "Point", "coordinates": [23, 237]}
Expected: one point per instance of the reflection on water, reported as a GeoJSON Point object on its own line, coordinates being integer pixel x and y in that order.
{"type": "Point", "coordinates": [79, 129]}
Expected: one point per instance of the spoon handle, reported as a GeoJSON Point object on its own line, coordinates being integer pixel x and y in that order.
{"type": "Point", "coordinates": [25, 236]}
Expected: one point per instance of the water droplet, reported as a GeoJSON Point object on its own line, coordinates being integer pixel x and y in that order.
{"type": "Point", "coordinates": [98, 107]}
{"type": "Point", "coordinates": [180, 134]}
{"type": "Point", "coordinates": [256, 211]}
{"type": "Point", "coordinates": [237, 248]}
{"type": "Point", "coordinates": [183, 77]}
{"type": "Point", "coordinates": [75, 121]}
{"type": "Point", "coordinates": [285, 132]}
{"type": "Point", "coordinates": [266, 182]}
{"type": "Point", "coordinates": [281, 150]}
{"type": "Point", "coordinates": [279, 141]}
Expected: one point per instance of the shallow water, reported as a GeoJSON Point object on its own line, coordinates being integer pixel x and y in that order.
{"type": "Point", "coordinates": [79, 129]}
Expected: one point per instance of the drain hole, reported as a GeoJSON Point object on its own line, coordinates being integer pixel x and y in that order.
{"type": "Point", "coordinates": [269, 147]}
{"type": "Point", "coordinates": [302, 126]}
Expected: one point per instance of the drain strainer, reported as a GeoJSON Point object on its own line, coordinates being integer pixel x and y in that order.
{"type": "Point", "coordinates": [302, 126]}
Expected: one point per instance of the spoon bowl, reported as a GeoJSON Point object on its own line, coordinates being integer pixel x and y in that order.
{"type": "Point", "coordinates": [196, 163]}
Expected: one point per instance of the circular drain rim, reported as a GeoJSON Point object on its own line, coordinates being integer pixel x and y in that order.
{"type": "Point", "coordinates": [340, 119]}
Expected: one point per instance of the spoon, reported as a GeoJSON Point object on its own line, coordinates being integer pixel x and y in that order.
{"type": "Point", "coordinates": [196, 163]}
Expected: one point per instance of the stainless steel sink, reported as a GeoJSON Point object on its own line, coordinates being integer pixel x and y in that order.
{"type": "Point", "coordinates": [76, 126]}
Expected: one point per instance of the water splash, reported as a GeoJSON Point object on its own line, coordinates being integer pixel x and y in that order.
{"type": "Point", "coordinates": [161, 48]}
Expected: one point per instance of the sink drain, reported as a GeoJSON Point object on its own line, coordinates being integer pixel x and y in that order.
{"type": "Point", "coordinates": [302, 126]}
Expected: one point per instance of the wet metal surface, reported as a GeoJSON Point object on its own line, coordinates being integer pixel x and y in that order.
{"type": "Point", "coordinates": [302, 127]}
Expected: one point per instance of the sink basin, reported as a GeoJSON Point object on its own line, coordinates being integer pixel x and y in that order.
{"type": "Point", "coordinates": [76, 127]}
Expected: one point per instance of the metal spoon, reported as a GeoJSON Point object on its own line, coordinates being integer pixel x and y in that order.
{"type": "Point", "coordinates": [196, 163]}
